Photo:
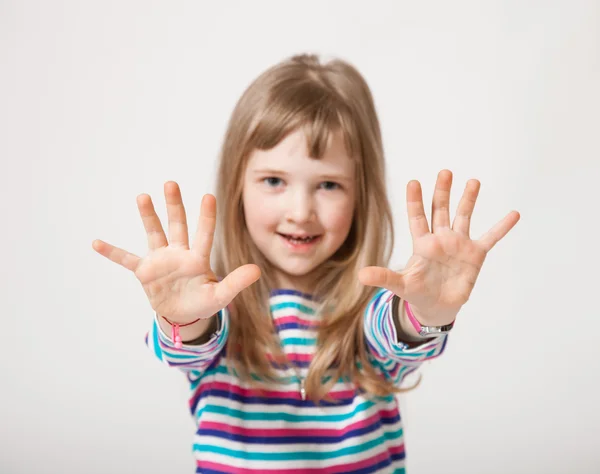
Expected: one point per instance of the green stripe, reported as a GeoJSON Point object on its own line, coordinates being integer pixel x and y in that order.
{"type": "Point", "coordinates": [298, 455]}
{"type": "Point", "coordinates": [298, 341]}
{"type": "Point", "coordinates": [174, 355]}
{"type": "Point", "coordinates": [291, 304]}
{"type": "Point", "coordinates": [283, 416]}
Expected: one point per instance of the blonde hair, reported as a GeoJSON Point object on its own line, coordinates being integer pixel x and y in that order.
{"type": "Point", "coordinates": [321, 99]}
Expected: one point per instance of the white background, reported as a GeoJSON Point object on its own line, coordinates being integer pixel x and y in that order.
{"type": "Point", "coordinates": [102, 101]}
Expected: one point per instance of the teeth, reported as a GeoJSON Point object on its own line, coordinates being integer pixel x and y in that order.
{"type": "Point", "coordinates": [299, 239]}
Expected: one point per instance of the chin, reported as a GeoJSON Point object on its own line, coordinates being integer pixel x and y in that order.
{"type": "Point", "coordinates": [297, 273]}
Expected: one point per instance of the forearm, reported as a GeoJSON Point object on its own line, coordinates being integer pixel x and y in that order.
{"type": "Point", "coordinates": [194, 355]}
{"type": "Point", "coordinates": [392, 342]}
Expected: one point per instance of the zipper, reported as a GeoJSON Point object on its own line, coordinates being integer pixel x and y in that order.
{"type": "Point", "coordinates": [302, 389]}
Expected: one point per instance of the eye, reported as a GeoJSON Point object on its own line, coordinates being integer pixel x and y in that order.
{"type": "Point", "coordinates": [330, 185]}
{"type": "Point", "coordinates": [272, 181]}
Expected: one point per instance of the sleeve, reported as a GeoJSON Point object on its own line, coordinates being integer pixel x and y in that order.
{"type": "Point", "coordinates": [188, 357]}
{"type": "Point", "coordinates": [394, 358]}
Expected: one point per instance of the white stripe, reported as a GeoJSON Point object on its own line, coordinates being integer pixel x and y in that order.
{"type": "Point", "coordinates": [285, 464]}
{"type": "Point", "coordinates": [299, 333]}
{"type": "Point", "coordinates": [287, 379]}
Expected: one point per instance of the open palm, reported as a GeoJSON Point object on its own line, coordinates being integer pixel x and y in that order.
{"type": "Point", "coordinates": [178, 281]}
{"type": "Point", "coordinates": [440, 275]}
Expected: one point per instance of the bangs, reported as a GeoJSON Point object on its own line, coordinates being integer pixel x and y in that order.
{"type": "Point", "coordinates": [310, 106]}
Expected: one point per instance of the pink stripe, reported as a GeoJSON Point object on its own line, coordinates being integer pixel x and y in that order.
{"type": "Point", "coordinates": [295, 319]}
{"type": "Point", "coordinates": [396, 449]}
{"type": "Point", "coordinates": [292, 357]}
{"type": "Point", "coordinates": [360, 464]}
{"type": "Point", "coordinates": [388, 413]}
{"type": "Point", "coordinates": [333, 469]}
{"type": "Point", "coordinates": [240, 470]}
{"type": "Point", "coordinates": [275, 432]}
{"type": "Point", "coordinates": [300, 357]}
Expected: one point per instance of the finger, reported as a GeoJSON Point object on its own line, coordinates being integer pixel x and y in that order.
{"type": "Point", "coordinates": [462, 220]}
{"type": "Point", "coordinates": [235, 282]}
{"type": "Point", "coordinates": [417, 221]}
{"type": "Point", "coordinates": [117, 255]}
{"type": "Point", "coordinates": [178, 229]}
{"type": "Point", "coordinates": [154, 231]}
{"type": "Point", "coordinates": [440, 206]}
{"type": "Point", "coordinates": [497, 233]}
{"type": "Point", "coordinates": [382, 278]}
{"type": "Point", "coordinates": [205, 233]}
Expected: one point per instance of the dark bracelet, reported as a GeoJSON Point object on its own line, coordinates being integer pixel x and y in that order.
{"type": "Point", "coordinates": [205, 337]}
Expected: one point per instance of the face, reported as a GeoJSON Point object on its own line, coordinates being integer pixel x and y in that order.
{"type": "Point", "coordinates": [298, 209]}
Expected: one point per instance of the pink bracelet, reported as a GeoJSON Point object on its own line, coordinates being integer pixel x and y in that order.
{"type": "Point", "coordinates": [175, 331]}
{"type": "Point", "coordinates": [420, 328]}
{"type": "Point", "coordinates": [411, 317]}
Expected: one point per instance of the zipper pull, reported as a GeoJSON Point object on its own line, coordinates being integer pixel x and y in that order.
{"type": "Point", "coordinates": [302, 390]}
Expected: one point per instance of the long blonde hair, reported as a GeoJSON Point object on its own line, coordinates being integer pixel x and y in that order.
{"type": "Point", "coordinates": [321, 99]}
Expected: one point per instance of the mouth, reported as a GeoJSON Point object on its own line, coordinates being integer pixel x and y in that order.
{"type": "Point", "coordinates": [300, 242]}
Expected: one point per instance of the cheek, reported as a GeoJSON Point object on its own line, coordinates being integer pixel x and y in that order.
{"type": "Point", "coordinates": [338, 218]}
{"type": "Point", "coordinates": [259, 218]}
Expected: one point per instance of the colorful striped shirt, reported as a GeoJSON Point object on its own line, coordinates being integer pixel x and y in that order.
{"type": "Point", "coordinates": [245, 430]}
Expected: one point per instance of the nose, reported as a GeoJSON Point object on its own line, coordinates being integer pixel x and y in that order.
{"type": "Point", "coordinates": [300, 206]}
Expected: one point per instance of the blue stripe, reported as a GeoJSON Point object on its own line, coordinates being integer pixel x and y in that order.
{"type": "Point", "coordinates": [373, 468]}
{"type": "Point", "coordinates": [399, 457]}
{"type": "Point", "coordinates": [444, 343]}
{"type": "Point", "coordinates": [284, 326]}
{"type": "Point", "coordinates": [367, 470]}
{"type": "Point", "coordinates": [289, 456]}
{"type": "Point", "coordinates": [274, 440]}
{"type": "Point", "coordinates": [371, 328]}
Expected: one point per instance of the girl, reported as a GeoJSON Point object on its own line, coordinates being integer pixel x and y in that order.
{"type": "Point", "coordinates": [295, 355]}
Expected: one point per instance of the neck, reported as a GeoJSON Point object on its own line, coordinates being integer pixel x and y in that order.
{"type": "Point", "coordinates": [304, 283]}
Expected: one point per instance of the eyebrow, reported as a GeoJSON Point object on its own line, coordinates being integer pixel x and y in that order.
{"type": "Point", "coordinates": [328, 177]}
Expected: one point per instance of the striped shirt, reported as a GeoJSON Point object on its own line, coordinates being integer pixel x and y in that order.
{"type": "Point", "coordinates": [245, 430]}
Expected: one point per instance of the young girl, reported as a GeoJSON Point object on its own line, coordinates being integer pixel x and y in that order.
{"type": "Point", "coordinates": [295, 355]}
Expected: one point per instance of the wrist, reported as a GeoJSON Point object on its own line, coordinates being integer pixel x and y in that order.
{"type": "Point", "coordinates": [430, 318]}
{"type": "Point", "coordinates": [406, 332]}
{"type": "Point", "coordinates": [211, 328]}
{"type": "Point", "coordinates": [183, 334]}
{"type": "Point", "coordinates": [432, 330]}
{"type": "Point", "coordinates": [411, 329]}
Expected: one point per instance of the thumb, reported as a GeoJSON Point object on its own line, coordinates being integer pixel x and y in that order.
{"type": "Point", "coordinates": [382, 278]}
{"type": "Point", "coordinates": [239, 279]}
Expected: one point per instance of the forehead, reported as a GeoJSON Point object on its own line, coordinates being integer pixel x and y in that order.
{"type": "Point", "coordinates": [291, 154]}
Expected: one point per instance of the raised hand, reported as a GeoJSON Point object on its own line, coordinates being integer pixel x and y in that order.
{"type": "Point", "coordinates": [441, 273]}
{"type": "Point", "coordinates": [178, 281]}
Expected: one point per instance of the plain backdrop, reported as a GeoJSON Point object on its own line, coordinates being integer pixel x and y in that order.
{"type": "Point", "coordinates": [103, 101]}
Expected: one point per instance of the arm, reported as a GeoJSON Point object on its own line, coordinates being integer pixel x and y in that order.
{"type": "Point", "coordinates": [394, 356]}
{"type": "Point", "coordinates": [195, 354]}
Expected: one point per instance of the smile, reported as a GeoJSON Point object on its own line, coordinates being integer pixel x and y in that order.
{"type": "Point", "coordinates": [300, 243]}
